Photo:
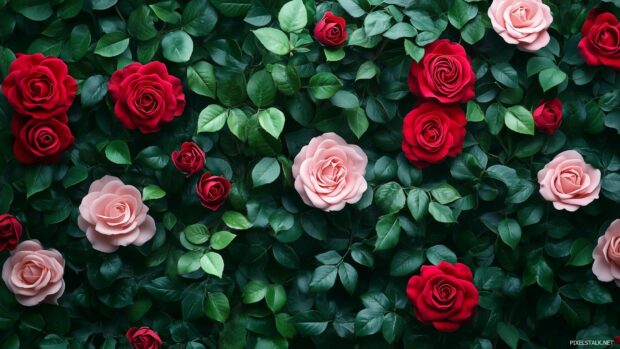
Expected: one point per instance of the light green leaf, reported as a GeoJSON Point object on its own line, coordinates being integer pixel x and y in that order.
{"type": "Point", "coordinates": [293, 16]}
{"type": "Point", "coordinates": [152, 192]}
{"type": "Point", "coordinates": [212, 263]}
{"type": "Point", "coordinates": [212, 118]}
{"type": "Point", "coordinates": [273, 40]}
{"type": "Point", "coordinates": [177, 46]}
{"type": "Point", "coordinates": [112, 44]}
{"type": "Point", "coordinates": [118, 152]}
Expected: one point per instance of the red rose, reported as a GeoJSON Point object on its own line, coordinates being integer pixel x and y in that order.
{"type": "Point", "coordinates": [443, 295]}
{"type": "Point", "coordinates": [10, 232]}
{"type": "Point", "coordinates": [600, 42]}
{"type": "Point", "coordinates": [143, 338]}
{"type": "Point", "coordinates": [145, 96]}
{"type": "Point", "coordinates": [548, 115]}
{"type": "Point", "coordinates": [330, 31]}
{"type": "Point", "coordinates": [431, 132]}
{"type": "Point", "coordinates": [212, 191]}
{"type": "Point", "coordinates": [40, 141]}
{"type": "Point", "coordinates": [39, 86]}
{"type": "Point", "coordinates": [444, 74]}
{"type": "Point", "coordinates": [190, 159]}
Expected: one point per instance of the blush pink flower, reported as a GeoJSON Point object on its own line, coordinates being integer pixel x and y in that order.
{"type": "Point", "coordinates": [329, 173]}
{"type": "Point", "coordinates": [606, 254]}
{"type": "Point", "coordinates": [522, 22]}
{"type": "Point", "coordinates": [113, 215]}
{"type": "Point", "coordinates": [33, 274]}
{"type": "Point", "coordinates": [569, 182]}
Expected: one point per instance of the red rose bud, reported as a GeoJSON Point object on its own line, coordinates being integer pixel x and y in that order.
{"type": "Point", "coordinates": [432, 132]}
{"type": "Point", "coordinates": [190, 159]}
{"type": "Point", "coordinates": [600, 42]}
{"type": "Point", "coordinates": [39, 87]}
{"type": "Point", "coordinates": [146, 96]}
{"type": "Point", "coordinates": [443, 295]}
{"type": "Point", "coordinates": [444, 74]}
{"type": "Point", "coordinates": [331, 31]}
{"type": "Point", "coordinates": [10, 232]}
{"type": "Point", "coordinates": [143, 338]}
{"type": "Point", "coordinates": [40, 141]}
{"type": "Point", "coordinates": [548, 115]}
{"type": "Point", "coordinates": [212, 191]}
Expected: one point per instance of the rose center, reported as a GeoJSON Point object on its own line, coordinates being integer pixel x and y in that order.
{"type": "Point", "coordinates": [216, 191]}
{"type": "Point", "coordinates": [40, 88]}
{"type": "Point", "coordinates": [609, 38]}
{"type": "Point", "coordinates": [432, 135]}
{"type": "Point", "coordinates": [521, 14]}
{"type": "Point", "coordinates": [613, 250]}
{"type": "Point", "coordinates": [44, 138]}
{"type": "Point", "coordinates": [31, 273]}
{"type": "Point", "coordinates": [444, 294]}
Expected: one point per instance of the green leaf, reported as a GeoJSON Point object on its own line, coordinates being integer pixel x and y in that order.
{"type": "Point", "coordinates": [519, 119]}
{"type": "Point", "coordinates": [236, 220]}
{"type": "Point", "coordinates": [177, 46]}
{"type": "Point", "coordinates": [509, 334]}
{"type": "Point", "coordinates": [254, 291]}
{"type": "Point", "coordinates": [418, 202]}
{"type": "Point", "coordinates": [406, 262]}
{"type": "Point", "coordinates": [324, 85]}
{"type": "Point", "coordinates": [152, 157]}
{"type": "Point", "coordinates": [212, 263]}
{"type": "Point", "coordinates": [539, 272]}
{"type": "Point", "coordinates": [367, 70]}
{"type": "Point", "coordinates": [345, 99]}
{"type": "Point", "coordinates": [593, 292]}
{"type": "Point", "coordinates": [400, 30]}
{"type": "Point", "coordinates": [201, 78]}
{"type": "Point", "coordinates": [286, 79]}
{"type": "Point", "coordinates": [285, 326]}
{"type": "Point", "coordinates": [217, 306]}
{"type": "Point", "coordinates": [75, 175]}
{"type": "Point", "coordinates": [272, 120]}
{"type": "Point", "coordinates": [537, 64]}
{"type": "Point", "coordinates": [102, 4]}
{"type": "Point", "coordinates": [368, 322]}
{"type": "Point", "coordinates": [393, 327]}
{"type": "Point", "coordinates": [390, 197]}
{"type": "Point", "coordinates": [334, 54]}
{"type": "Point", "coordinates": [53, 341]}
{"type": "Point", "coordinates": [376, 23]}
{"type": "Point", "coordinates": [445, 194]}
{"type": "Point", "coordinates": [505, 74]}
{"type": "Point", "coordinates": [461, 12]}
{"type": "Point", "coordinates": [38, 179]}
{"type": "Point", "coordinates": [152, 192]}
{"type": "Point", "coordinates": [441, 213]}
{"type": "Point", "coordinates": [112, 44]}
{"type": "Point", "coordinates": [189, 262]}
{"type": "Point", "coordinates": [94, 90]}
{"type": "Point", "coordinates": [33, 10]}
{"type": "Point", "coordinates": [348, 277]}
{"type": "Point", "coordinates": [438, 253]}
{"type": "Point", "coordinates": [266, 171]}
{"type": "Point", "coordinates": [221, 239]}
{"type": "Point", "coordinates": [140, 24]}
{"type": "Point", "coordinates": [198, 18]}
{"type": "Point", "coordinates": [414, 51]}
{"type": "Point", "coordinates": [275, 297]}
{"type": "Point", "coordinates": [551, 77]}
{"type": "Point", "coordinates": [79, 42]}
{"type": "Point", "coordinates": [310, 323]}
{"type": "Point", "coordinates": [357, 121]}
{"type": "Point", "coordinates": [11, 342]}
{"type": "Point", "coordinates": [118, 152]}
{"type": "Point", "coordinates": [510, 232]}
{"type": "Point", "coordinates": [474, 112]}
{"type": "Point", "coordinates": [353, 7]}
{"type": "Point", "coordinates": [232, 8]}
{"type": "Point", "coordinates": [388, 232]}
{"type": "Point", "coordinates": [293, 16]}
{"type": "Point", "coordinates": [261, 88]}
{"type": "Point", "coordinates": [581, 252]}
{"type": "Point", "coordinates": [323, 278]}
{"type": "Point", "coordinates": [212, 118]}
{"type": "Point", "coordinates": [473, 31]}
{"type": "Point", "coordinates": [273, 40]}
{"type": "Point", "coordinates": [197, 234]}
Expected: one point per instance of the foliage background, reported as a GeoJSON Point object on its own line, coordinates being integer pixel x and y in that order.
{"type": "Point", "coordinates": [294, 276]}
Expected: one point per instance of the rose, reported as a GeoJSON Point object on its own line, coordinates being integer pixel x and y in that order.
{"type": "Point", "coordinates": [444, 74]}
{"type": "Point", "coordinates": [329, 173]}
{"type": "Point", "coordinates": [40, 141]}
{"type": "Point", "coordinates": [190, 159]}
{"type": "Point", "coordinates": [569, 182]}
{"type": "Point", "coordinates": [33, 274]}
{"type": "Point", "coordinates": [39, 86]}
{"type": "Point", "coordinates": [522, 22]}
{"type": "Point", "coordinates": [431, 132]}
{"type": "Point", "coordinates": [548, 115]}
{"type": "Point", "coordinates": [606, 255]}
{"type": "Point", "coordinates": [10, 232]}
{"type": "Point", "coordinates": [145, 96]}
{"type": "Point", "coordinates": [212, 190]}
{"type": "Point", "coordinates": [330, 30]}
{"type": "Point", "coordinates": [443, 295]}
{"type": "Point", "coordinates": [112, 214]}
{"type": "Point", "coordinates": [143, 338]}
{"type": "Point", "coordinates": [600, 42]}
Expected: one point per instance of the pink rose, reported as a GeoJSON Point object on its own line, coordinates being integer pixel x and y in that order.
{"type": "Point", "coordinates": [33, 274]}
{"type": "Point", "coordinates": [521, 22]}
{"type": "Point", "coordinates": [569, 182]}
{"type": "Point", "coordinates": [606, 265]}
{"type": "Point", "coordinates": [329, 173]}
{"type": "Point", "coordinates": [113, 215]}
